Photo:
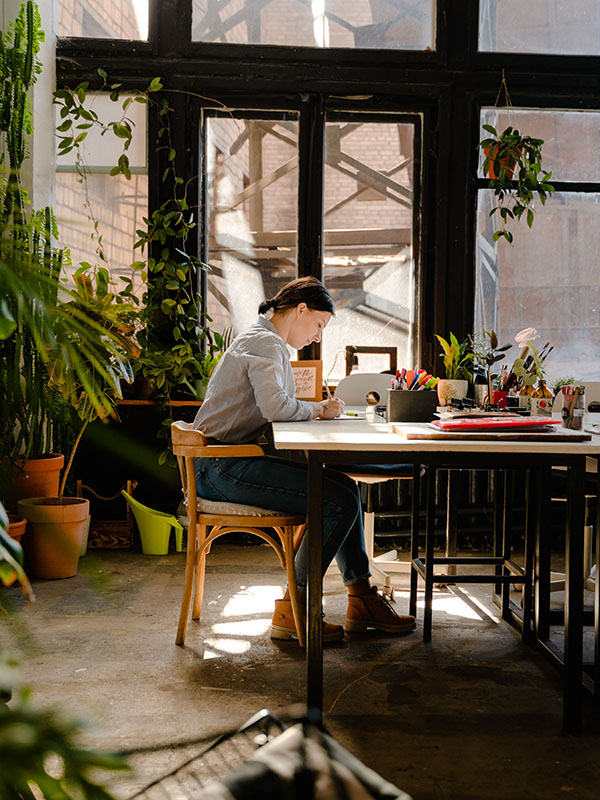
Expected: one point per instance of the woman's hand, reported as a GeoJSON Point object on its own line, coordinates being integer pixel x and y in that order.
{"type": "Point", "coordinates": [329, 409]}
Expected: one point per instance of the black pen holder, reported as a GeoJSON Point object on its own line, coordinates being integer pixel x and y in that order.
{"type": "Point", "coordinates": [404, 405]}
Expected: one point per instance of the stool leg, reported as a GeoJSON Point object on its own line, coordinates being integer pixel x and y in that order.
{"type": "Point", "coordinates": [429, 542]}
{"type": "Point", "coordinates": [451, 519]}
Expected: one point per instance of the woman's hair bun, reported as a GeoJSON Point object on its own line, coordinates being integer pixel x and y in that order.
{"type": "Point", "coordinates": [266, 305]}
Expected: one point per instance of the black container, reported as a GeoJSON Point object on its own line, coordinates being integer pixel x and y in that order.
{"type": "Point", "coordinates": [411, 406]}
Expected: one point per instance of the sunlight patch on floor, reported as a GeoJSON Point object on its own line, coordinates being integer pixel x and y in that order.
{"type": "Point", "coordinates": [242, 627]}
{"type": "Point", "coordinates": [453, 606]}
{"type": "Point", "coordinates": [253, 600]}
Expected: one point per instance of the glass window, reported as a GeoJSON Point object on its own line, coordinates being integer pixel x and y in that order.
{"type": "Point", "coordinates": [117, 204]}
{"type": "Point", "coordinates": [364, 24]}
{"type": "Point", "coordinates": [540, 26]}
{"type": "Point", "coordinates": [103, 19]}
{"type": "Point", "coordinates": [571, 138]}
{"type": "Point", "coordinates": [252, 205]}
{"type": "Point", "coordinates": [369, 265]}
{"type": "Point", "coordinates": [548, 280]}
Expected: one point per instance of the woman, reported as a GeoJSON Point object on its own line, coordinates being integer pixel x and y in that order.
{"type": "Point", "coordinates": [252, 386]}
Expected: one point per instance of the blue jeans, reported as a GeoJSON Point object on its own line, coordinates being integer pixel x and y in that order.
{"type": "Point", "coordinates": [280, 484]}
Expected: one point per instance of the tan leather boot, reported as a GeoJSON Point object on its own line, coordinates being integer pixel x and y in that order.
{"type": "Point", "coordinates": [371, 610]}
{"type": "Point", "coordinates": [282, 625]}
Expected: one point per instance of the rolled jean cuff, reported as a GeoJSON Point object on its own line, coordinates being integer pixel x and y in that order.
{"type": "Point", "coordinates": [352, 581]}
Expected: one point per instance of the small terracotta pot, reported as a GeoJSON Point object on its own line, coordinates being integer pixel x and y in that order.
{"type": "Point", "coordinates": [16, 527]}
{"type": "Point", "coordinates": [54, 535]}
{"type": "Point", "coordinates": [507, 163]}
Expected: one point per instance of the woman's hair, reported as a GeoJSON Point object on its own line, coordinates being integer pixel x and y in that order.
{"type": "Point", "coordinates": [303, 290]}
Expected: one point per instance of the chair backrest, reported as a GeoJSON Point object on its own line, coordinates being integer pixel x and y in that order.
{"type": "Point", "coordinates": [354, 388]}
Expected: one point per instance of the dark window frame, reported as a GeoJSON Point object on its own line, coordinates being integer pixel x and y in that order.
{"type": "Point", "coordinates": [448, 85]}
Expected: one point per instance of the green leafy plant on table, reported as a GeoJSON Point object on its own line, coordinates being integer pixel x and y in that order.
{"type": "Point", "coordinates": [514, 164]}
{"type": "Point", "coordinates": [486, 353]}
{"type": "Point", "coordinates": [457, 357]}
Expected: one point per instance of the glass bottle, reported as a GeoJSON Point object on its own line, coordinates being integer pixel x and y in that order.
{"type": "Point", "coordinates": [542, 390]}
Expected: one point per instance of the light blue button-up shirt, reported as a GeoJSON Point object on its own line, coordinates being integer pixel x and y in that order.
{"type": "Point", "coordinates": [252, 385]}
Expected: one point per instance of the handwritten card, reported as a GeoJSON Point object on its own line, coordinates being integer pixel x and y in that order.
{"type": "Point", "coordinates": [308, 377]}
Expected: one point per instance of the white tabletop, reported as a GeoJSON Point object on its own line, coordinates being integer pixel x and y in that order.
{"type": "Point", "coordinates": [367, 435]}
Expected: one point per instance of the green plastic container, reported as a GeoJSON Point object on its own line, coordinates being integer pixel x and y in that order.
{"type": "Point", "coordinates": [154, 527]}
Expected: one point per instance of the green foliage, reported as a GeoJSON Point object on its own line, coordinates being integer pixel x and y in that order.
{"type": "Point", "coordinates": [457, 357]}
{"type": "Point", "coordinates": [486, 353]}
{"type": "Point", "coordinates": [171, 332]}
{"type": "Point", "coordinates": [11, 559]}
{"type": "Point", "coordinates": [55, 343]}
{"type": "Point", "coordinates": [560, 382]}
{"type": "Point", "coordinates": [511, 153]}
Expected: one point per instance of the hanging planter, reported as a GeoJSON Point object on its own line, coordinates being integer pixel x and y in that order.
{"type": "Point", "coordinates": [54, 535]}
{"type": "Point", "coordinates": [513, 163]}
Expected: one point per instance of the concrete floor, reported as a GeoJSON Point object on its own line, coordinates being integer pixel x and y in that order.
{"type": "Point", "coordinates": [473, 715]}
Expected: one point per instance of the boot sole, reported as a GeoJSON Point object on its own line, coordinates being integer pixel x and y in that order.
{"type": "Point", "coordinates": [354, 626]}
{"type": "Point", "coordinates": [286, 634]}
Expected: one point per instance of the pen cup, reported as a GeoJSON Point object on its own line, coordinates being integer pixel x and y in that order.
{"type": "Point", "coordinates": [573, 406]}
{"type": "Point", "coordinates": [411, 406]}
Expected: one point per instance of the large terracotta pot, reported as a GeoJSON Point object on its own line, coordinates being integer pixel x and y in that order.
{"type": "Point", "coordinates": [54, 535]}
{"type": "Point", "coordinates": [41, 478]}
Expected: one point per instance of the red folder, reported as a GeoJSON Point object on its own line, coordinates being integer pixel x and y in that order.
{"type": "Point", "coordinates": [494, 423]}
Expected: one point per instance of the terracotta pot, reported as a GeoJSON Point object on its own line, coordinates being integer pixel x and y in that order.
{"type": "Point", "coordinates": [41, 478]}
{"type": "Point", "coordinates": [54, 535]}
{"type": "Point", "coordinates": [507, 163]}
{"type": "Point", "coordinates": [447, 389]}
{"type": "Point", "coordinates": [16, 527]}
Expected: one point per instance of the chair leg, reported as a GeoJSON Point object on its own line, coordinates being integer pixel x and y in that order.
{"type": "Point", "coordinates": [299, 618]}
{"type": "Point", "coordinates": [190, 569]}
{"type": "Point", "coordinates": [200, 574]}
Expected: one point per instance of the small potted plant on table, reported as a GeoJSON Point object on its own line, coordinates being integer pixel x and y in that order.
{"type": "Point", "coordinates": [457, 359]}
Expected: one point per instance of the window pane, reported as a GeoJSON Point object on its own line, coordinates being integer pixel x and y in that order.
{"type": "Point", "coordinates": [369, 267]}
{"type": "Point", "coordinates": [571, 138]}
{"type": "Point", "coordinates": [101, 152]}
{"type": "Point", "coordinates": [119, 206]}
{"type": "Point", "coordinates": [540, 26]}
{"type": "Point", "coordinates": [397, 25]}
{"type": "Point", "coordinates": [546, 280]}
{"type": "Point", "coordinates": [103, 19]}
{"type": "Point", "coordinates": [252, 199]}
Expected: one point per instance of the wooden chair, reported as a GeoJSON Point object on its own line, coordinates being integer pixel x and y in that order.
{"type": "Point", "coordinates": [207, 520]}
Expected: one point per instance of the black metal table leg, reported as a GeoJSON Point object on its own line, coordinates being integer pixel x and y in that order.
{"type": "Point", "coordinates": [499, 508]}
{"type": "Point", "coordinates": [573, 631]}
{"type": "Point", "coordinates": [414, 539]}
{"type": "Point", "coordinates": [429, 543]}
{"type": "Point", "coordinates": [314, 630]}
{"type": "Point", "coordinates": [596, 672]}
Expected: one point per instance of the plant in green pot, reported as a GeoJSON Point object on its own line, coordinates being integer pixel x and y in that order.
{"type": "Point", "coordinates": [513, 163]}
{"type": "Point", "coordinates": [457, 360]}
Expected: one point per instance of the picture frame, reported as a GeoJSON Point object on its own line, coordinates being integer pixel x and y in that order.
{"type": "Point", "coordinates": [308, 376]}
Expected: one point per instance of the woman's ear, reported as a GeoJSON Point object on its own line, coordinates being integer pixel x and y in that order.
{"type": "Point", "coordinates": [301, 308]}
